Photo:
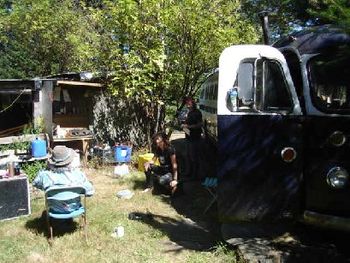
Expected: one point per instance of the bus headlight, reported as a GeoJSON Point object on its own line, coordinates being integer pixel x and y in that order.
{"type": "Point", "coordinates": [337, 138]}
{"type": "Point", "coordinates": [337, 177]}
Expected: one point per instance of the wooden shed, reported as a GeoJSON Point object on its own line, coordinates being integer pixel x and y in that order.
{"type": "Point", "coordinates": [72, 113]}
{"type": "Point", "coordinates": [65, 104]}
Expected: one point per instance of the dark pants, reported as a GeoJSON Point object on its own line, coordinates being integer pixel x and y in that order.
{"type": "Point", "coordinates": [157, 175]}
{"type": "Point", "coordinates": [193, 155]}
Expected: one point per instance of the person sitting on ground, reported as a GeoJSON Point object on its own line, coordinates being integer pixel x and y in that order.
{"type": "Point", "coordinates": [61, 172]}
{"type": "Point", "coordinates": [164, 174]}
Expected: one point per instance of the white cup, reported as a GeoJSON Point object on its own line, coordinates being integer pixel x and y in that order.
{"type": "Point", "coordinates": [119, 231]}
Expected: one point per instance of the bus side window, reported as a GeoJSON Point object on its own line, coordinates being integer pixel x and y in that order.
{"type": "Point", "coordinates": [211, 91]}
{"type": "Point", "coordinates": [274, 93]}
{"type": "Point", "coordinates": [243, 88]}
{"type": "Point", "coordinates": [245, 84]}
{"type": "Point", "coordinates": [202, 93]}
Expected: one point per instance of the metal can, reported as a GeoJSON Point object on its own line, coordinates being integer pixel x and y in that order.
{"type": "Point", "coordinates": [17, 169]}
{"type": "Point", "coordinates": [10, 169]}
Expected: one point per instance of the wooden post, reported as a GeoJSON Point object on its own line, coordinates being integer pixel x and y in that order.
{"type": "Point", "coordinates": [42, 106]}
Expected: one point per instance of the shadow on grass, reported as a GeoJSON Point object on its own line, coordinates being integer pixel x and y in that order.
{"type": "Point", "coordinates": [139, 184]}
{"type": "Point", "coordinates": [60, 227]}
{"type": "Point", "coordinates": [184, 234]}
{"type": "Point", "coordinates": [193, 198]}
{"type": "Point", "coordinates": [198, 230]}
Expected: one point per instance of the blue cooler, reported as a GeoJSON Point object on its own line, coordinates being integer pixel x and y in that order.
{"type": "Point", "coordinates": [38, 148]}
{"type": "Point", "coordinates": [122, 154]}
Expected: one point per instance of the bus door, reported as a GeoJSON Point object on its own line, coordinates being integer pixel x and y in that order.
{"type": "Point", "coordinates": [327, 147]}
{"type": "Point", "coordinates": [259, 137]}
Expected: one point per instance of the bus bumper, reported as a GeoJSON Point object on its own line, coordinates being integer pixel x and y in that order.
{"type": "Point", "coordinates": [326, 221]}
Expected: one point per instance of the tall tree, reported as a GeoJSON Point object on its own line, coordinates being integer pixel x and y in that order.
{"type": "Point", "coordinates": [132, 48]}
{"type": "Point", "coordinates": [288, 15]}
{"type": "Point", "coordinates": [197, 32]}
{"type": "Point", "coordinates": [284, 16]}
{"type": "Point", "coordinates": [43, 37]}
{"type": "Point", "coordinates": [331, 11]}
{"type": "Point", "coordinates": [159, 50]}
{"type": "Point", "coordinates": [153, 52]}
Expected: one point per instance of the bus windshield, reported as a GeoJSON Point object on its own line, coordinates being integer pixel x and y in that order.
{"type": "Point", "coordinates": [329, 76]}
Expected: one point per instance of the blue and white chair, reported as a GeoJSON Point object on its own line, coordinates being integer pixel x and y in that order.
{"type": "Point", "coordinates": [210, 183]}
{"type": "Point", "coordinates": [64, 202]}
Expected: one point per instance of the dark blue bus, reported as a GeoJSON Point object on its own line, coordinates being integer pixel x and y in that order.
{"type": "Point", "coordinates": [282, 130]}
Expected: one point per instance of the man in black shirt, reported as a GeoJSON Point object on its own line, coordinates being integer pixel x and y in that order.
{"type": "Point", "coordinates": [164, 174]}
{"type": "Point", "coordinates": [193, 129]}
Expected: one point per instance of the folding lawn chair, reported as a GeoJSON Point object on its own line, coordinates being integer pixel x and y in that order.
{"type": "Point", "coordinates": [62, 196]}
{"type": "Point", "coordinates": [210, 183]}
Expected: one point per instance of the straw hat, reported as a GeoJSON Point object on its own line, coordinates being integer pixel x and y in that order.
{"type": "Point", "coordinates": [61, 156]}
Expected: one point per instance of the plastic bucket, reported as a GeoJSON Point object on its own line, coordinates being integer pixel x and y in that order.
{"type": "Point", "coordinates": [122, 154]}
{"type": "Point", "coordinates": [144, 158]}
{"type": "Point", "coordinates": [38, 148]}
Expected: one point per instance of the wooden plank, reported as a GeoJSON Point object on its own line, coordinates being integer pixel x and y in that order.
{"type": "Point", "coordinates": [12, 131]}
{"type": "Point", "coordinates": [79, 83]}
{"type": "Point", "coordinates": [15, 91]}
{"type": "Point", "coordinates": [26, 138]}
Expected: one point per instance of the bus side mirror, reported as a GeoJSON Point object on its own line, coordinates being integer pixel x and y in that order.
{"type": "Point", "coordinates": [232, 99]}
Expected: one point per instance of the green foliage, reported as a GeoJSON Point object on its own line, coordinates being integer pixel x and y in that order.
{"type": "Point", "coordinates": [35, 127]}
{"type": "Point", "coordinates": [332, 11]}
{"type": "Point", "coordinates": [94, 163]}
{"type": "Point", "coordinates": [197, 32]}
{"type": "Point", "coordinates": [284, 16]}
{"type": "Point", "coordinates": [20, 145]}
{"type": "Point", "coordinates": [43, 37]}
{"type": "Point", "coordinates": [17, 145]}
{"type": "Point", "coordinates": [288, 15]}
{"type": "Point", "coordinates": [31, 169]}
{"type": "Point", "coordinates": [159, 50]}
{"type": "Point", "coordinates": [5, 147]}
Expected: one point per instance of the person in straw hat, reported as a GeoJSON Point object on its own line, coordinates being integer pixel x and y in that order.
{"type": "Point", "coordinates": [60, 172]}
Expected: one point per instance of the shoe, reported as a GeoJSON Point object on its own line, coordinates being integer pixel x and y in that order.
{"type": "Point", "coordinates": [147, 189]}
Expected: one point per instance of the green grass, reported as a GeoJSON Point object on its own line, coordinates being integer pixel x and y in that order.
{"type": "Point", "coordinates": [164, 237]}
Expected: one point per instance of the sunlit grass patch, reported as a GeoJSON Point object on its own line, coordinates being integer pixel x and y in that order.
{"type": "Point", "coordinates": [162, 234]}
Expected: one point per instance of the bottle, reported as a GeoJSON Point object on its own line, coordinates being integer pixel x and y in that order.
{"type": "Point", "coordinates": [234, 98]}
